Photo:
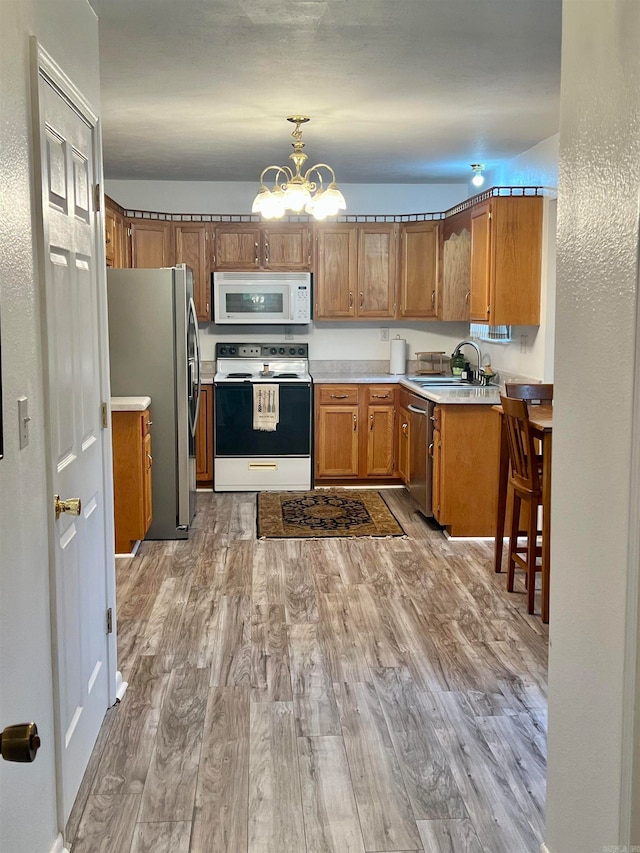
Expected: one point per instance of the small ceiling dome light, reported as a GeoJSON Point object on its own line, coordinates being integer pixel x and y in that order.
{"type": "Point", "coordinates": [478, 178]}
{"type": "Point", "coordinates": [294, 190]}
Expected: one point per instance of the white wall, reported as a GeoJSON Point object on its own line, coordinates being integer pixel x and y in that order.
{"type": "Point", "coordinates": [68, 30]}
{"type": "Point", "coordinates": [237, 197]}
{"type": "Point", "coordinates": [594, 526]}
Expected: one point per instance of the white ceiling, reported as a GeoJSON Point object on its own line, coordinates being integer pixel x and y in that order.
{"type": "Point", "coordinates": [398, 91]}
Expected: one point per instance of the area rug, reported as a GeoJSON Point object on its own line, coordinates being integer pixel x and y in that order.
{"type": "Point", "coordinates": [325, 512]}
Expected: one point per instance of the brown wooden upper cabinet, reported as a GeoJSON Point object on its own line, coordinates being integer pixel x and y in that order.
{"type": "Point", "coordinates": [456, 267]}
{"type": "Point", "coordinates": [419, 270]}
{"type": "Point", "coordinates": [152, 244]}
{"type": "Point", "coordinates": [506, 258]}
{"type": "Point", "coordinates": [276, 246]}
{"type": "Point", "coordinates": [355, 271]}
{"type": "Point", "coordinates": [115, 239]}
{"type": "Point", "coordinates": [191, 240]}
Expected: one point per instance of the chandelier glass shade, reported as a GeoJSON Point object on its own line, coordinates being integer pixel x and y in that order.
{"type": "Point", "coordinates": [313, 191]}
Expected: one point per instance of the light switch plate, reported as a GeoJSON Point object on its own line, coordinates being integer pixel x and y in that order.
{"type": "Point", "coordinates": [23, 421]}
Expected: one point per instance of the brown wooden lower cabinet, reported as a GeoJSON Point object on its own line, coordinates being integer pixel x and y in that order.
{"type": "Point", "coordinates": [466, 443]}
{"type": "Point", "coordinates": [354, 431]}
{"type": "Point", "coordinates": [132, 466]}
{"type": "Point", "coordinates": [204, 439]}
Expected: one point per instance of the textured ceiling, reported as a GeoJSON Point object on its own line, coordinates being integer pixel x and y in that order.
{"type": "Point", "coordinates": [409, 91]}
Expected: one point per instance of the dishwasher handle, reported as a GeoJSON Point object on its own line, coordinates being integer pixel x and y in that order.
{"type": "Point", "coordinates": [416, 411]}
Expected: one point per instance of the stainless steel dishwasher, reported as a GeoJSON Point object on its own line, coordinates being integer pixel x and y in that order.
{"type": "Point", "coordinates": [421, 459]}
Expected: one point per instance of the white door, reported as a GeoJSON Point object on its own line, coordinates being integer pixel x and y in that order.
{"type": "Point", "coordinates": [73, 376]}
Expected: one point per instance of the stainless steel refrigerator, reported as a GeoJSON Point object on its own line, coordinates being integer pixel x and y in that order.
{"type": "Point", "coordinates": [154, 351]}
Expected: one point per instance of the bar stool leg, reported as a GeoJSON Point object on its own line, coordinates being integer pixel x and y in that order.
{"type": "Point", "coordinates": [513, 541]}
{"type": "Point", "coordinates": [532, 532]}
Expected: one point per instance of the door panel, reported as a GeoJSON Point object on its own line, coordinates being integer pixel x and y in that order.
{"type": "Point", "coordinates": [72, 365]}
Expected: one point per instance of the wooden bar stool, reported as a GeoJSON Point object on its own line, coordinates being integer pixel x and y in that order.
{"type": "Point", "coordinates": [525, 481]}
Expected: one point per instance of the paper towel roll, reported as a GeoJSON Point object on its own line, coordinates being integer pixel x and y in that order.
{"type": "Point", "coordinates": [398, 356]}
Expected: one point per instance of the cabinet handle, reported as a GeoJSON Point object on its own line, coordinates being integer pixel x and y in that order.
{"type": "Point", "coordinates": [256, 248]}
{"type": "Point", "coordinates": [207, 308]}
{"type": "Point", "coordinates": [150, 458]}
{"type": "Point", "coordinates": [350, 299]}
{"type": "Point", "coordinates": [370, 423]}
{"type": "Point", "coordinates": [430, 450]}
{"type": "Point", "coordinates": [266, 251]}
{"type": "Point", "coordinates": [361, 299]}
{"type": "Point", "coordinates": [433, 298]}
{"type": "Point", "coordinates": [338, 396]}
{"type": "Point", "coordinates": [405, 429]}
{"type": "Point", "coordinates": [107, 240]}
{"type": "Point", "coordinates": [380, 396]}
{"type": "Point", "coordinates": [466, 297]}
{"type": "Point", "coordinates": [355, 422]}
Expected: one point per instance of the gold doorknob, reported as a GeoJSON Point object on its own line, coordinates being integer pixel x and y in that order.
{"type": "Point", "coordinates": [72, 506]}
{"type": "Point", "coordinates": [20, 742]}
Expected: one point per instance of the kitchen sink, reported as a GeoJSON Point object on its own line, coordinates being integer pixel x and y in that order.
{"type": "Point", "coordinates": [439, 381]}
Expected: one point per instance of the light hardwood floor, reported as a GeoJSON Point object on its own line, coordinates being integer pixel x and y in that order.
{"type": "Point", "coordinates": [309, 696]}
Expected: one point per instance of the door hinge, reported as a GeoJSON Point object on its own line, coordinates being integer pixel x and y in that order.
{"type": "Point", "coordinates": [105, 418]}
{"type": "Point", "coordinates": [96, 196]}
{"type": "Point", "coordinates": [109, 621]}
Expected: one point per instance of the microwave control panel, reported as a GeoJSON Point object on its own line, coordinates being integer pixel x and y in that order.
{"type": "Point", "coordinates": [302, 304]}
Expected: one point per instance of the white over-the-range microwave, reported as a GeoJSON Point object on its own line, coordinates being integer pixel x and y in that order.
{"type": "Point", "coordinates": [262, 297]}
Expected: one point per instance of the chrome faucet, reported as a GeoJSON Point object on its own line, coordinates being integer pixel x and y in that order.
{"type": "Point", "coordinates": [477, 349]}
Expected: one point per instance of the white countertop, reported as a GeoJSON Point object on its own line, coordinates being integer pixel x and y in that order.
{"type": "Point", "coordinates": [486, 395]}
{"type": "Point", "coordinates": [130, 404]}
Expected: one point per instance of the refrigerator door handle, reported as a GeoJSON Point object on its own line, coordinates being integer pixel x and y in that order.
{"type": "Point", "coordinates": [193, 322]}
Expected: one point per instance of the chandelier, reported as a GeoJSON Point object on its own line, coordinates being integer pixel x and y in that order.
{"type": "Point", "coordinates": [311, 191]}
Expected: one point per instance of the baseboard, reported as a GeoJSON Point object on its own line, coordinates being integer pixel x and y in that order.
{"type": "Point", "coordinates": [58, 845]}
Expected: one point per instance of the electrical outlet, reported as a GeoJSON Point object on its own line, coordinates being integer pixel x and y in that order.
{"type": "Point", "coordinates": [524, 343]}
{"type": "Point", "coordinates": [384, 334]}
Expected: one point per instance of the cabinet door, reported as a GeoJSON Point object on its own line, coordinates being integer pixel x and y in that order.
{"type": "Point", "coordinates": [237, 247]}
{"type": "Point", "coordinates": [337, 441]}
{"type": "Point", "coordinates": [435, 450]}
{"type": "Point", "coordinates": [377, 258]}
{"type": "Point", "coordinates": [403, 440]}
{"type": "Point", "coordinates": [191, 249]}
{"type": "Point", "coordinates": [480, 300]}
{"type": "Point", "coordinates": [419, 270]}
{"type": "Point", "coordinates": [380, 444]}
{"type": "Point", "coordinates": [151, 244]}
{"type": "Point", "coordinates": [336, 271]}
{"type": "Point", "coordinates": [516, 247]}
{"type": "Point", "coordinates": [147, 465]}
{"type": "Point", "coordinates": [204, 439]}
{"type": "Point", "coordinates": [109, 236]}
{"type": "Point", "coordinates": [456, 267]}
{"type": "Point", "coordinates": [287, 247]}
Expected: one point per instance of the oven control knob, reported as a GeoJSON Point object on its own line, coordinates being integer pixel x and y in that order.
{"type": "Point", "coordinates": [300, 350]}
{"type": "Point", "coordinates": [222, 351]}
{"type": "Point", "coordinates": [281, 351]}
{"type": "Point", "coordinates": [273, 351]}
{"type": "Point", "coordinates": [292, 350]}
{"type": "Point", "coordinates": [233, 350]}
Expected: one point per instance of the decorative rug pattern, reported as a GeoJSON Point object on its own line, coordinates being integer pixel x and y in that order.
{"type": "Point", "coordinates": [325, 512]}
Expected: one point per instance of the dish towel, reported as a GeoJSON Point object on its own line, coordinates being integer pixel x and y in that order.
{"type": "Point", "coordinates": [266, 407]}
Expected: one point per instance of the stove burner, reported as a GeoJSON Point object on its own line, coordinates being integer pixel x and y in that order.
{"type": "Point", "coordinates": [239, 375]}
{"type": "Point", "coordinates": [286, 376]}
